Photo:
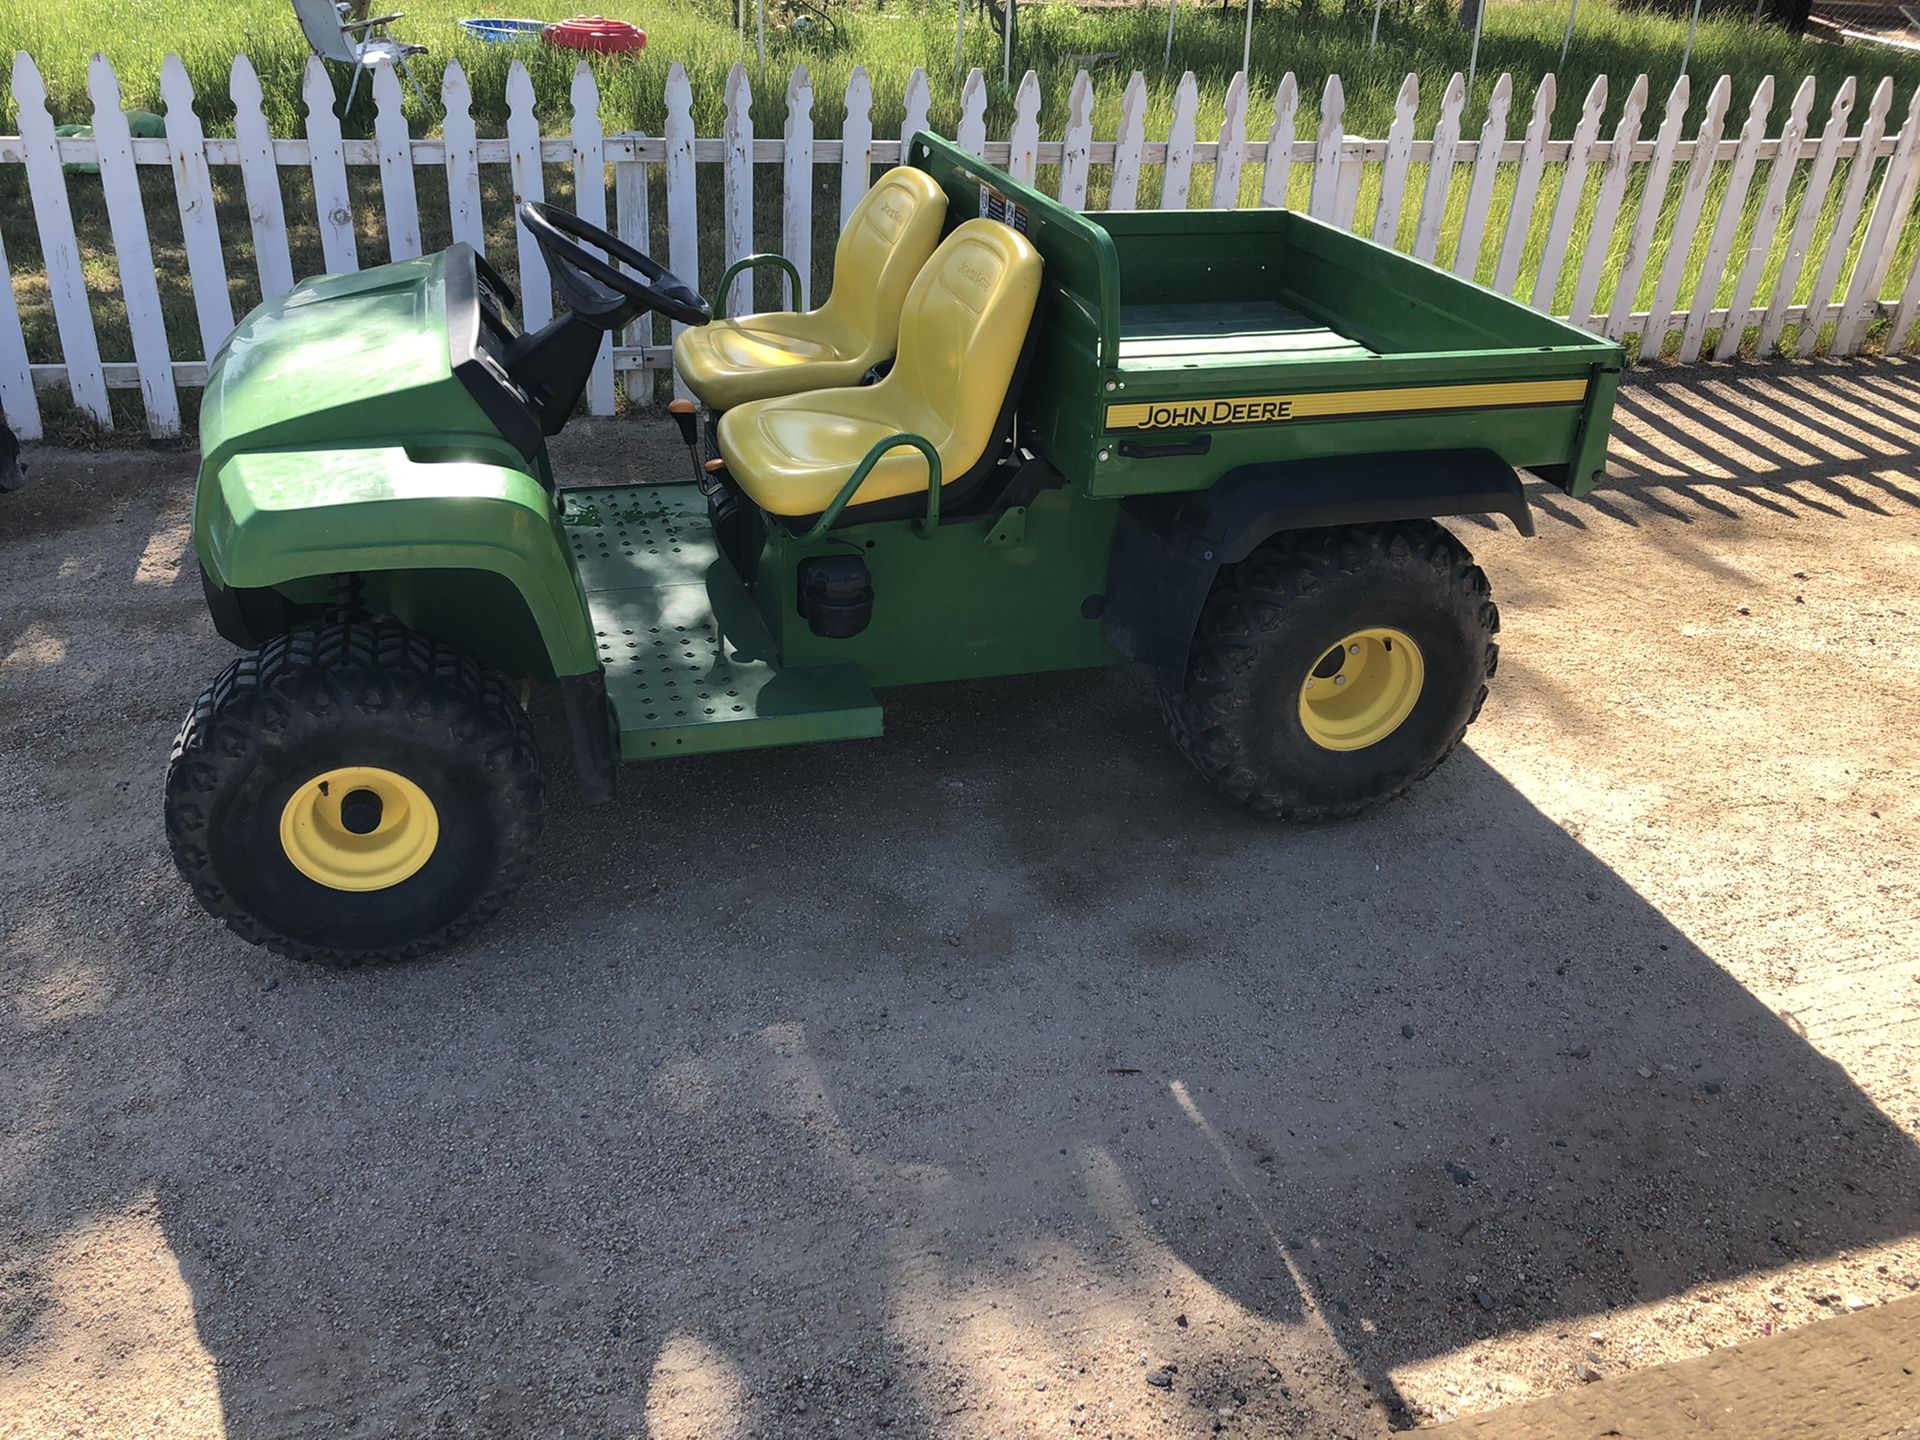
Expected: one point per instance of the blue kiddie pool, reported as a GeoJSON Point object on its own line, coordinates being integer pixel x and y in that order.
{"type": "Point", "coordinates": [503, 32]}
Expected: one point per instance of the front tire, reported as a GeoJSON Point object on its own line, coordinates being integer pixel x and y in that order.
{"type": "Point", "coordinates": [354, 793]}
{"type": "Point", "coordinates": [1332, 669]}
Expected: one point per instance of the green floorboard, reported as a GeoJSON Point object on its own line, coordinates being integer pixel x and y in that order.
{"type": "Point", "coordinates": [688, 659]}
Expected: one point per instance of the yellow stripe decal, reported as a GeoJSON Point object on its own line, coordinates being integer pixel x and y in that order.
{"type": "Point", "coordinates": [1273, 409]}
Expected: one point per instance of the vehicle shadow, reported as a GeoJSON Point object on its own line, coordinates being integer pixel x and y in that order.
{"type": "Point", "coordinates": [811, 1086]}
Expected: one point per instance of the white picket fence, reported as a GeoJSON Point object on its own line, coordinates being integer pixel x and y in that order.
{"type": "Point", "coordinates": [1848, 278]}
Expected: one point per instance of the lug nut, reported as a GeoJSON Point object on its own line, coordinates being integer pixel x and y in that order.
{"type": "Point", "coordinates": [1339, 679]}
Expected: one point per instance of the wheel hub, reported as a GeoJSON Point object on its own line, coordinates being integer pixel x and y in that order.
{"type": "Point", "coordinates": [1362, 689]}
{"type": "Point", "coordinates": [360, 828]}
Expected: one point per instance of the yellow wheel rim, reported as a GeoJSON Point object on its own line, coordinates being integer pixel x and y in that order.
{"type": "Point", "coordinates": [1361, 690]}
{"type": "Point", "coordinates": [359, 828]}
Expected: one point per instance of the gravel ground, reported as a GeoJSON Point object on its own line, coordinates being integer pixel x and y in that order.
{"type": "Point", "coordinates": [994, 1078]}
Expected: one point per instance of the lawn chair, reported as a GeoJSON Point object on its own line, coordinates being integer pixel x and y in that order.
{"type": "Point", "coordinates": [332, 36]}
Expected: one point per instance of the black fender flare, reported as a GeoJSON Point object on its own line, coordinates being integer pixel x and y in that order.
{"type": "Point", "coordinates": [1167, 549]}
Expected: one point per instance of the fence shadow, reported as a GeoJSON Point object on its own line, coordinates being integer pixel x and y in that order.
{"type": "Point", "coordinates": [1793, 439]}
{"type": "Point", "coordinates": [882, 1084]}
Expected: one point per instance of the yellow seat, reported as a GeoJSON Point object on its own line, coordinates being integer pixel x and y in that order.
{"type": "Point", "coordinates": [887, 239]}
{"type": "Point", "coordinates": [961, 332]}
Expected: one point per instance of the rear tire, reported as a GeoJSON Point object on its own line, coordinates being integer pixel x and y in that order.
{"type": "Point", "coordinates": [354, 793]}
{"type": "Point", "coordinates": [1291, 614]}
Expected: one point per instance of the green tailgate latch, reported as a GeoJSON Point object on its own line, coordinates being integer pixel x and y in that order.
{"type": "Point", "coordinates": [1011, 528]}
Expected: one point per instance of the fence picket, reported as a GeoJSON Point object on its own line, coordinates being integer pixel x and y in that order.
{"type": "Point", "coordinates": [19, 406]}
{"type": "Point", "coordinates": [1813, 200]}
{"type": "Point", "coordinates": [1733, 204]}
{"type": "Point", "coordinates": [1076, 147]}
{"type": "Point", "coordinates": [919, 101]}
{"type": "Point", "coordinates": [1446, 140]}
{"type": "Point", "coordinates": [1023, 153]}
{"type": "Point", "coordinates": [127, 220]}
{"type": "Point", "coordinates": [396, 166]}
{"type": "Point", "coordinates": [971, 134]}
{"type": "Point", "coordinates": [332, 201]}
{"type": "Point", "coordinates": [1230, 157]}
{"type": "Point", "coordinates": [1526, 189]}
{"type": "Point", "coordinates": [1324, 198]}
{"type": "Point", "coordinates": [59, 249]}
{"type": "Point", "coordinates": [1686, 220]}
{"type": "Point", "coordinates": [590, 204]}
{"type": "Point", "coordinates": [1486, 169]}
{"type": "Point", "coordinates": [1859, 173]}
{"type": "Point", "coordinates": [1277, 173]}
{"type": "Point", "coordinates": [1176, 177]}
{"type": "Point", "coordinates": [1766, 224]}
{"type": "Point", "coordinates": [1573, 184]}
{"type": "Point", "coordinates": [1902, 316]}
{"type": "Point", "coordinates": [631, 225]}
{"type": "Point", "coordinates": [1129, 142]}
{"type": "Point", "coordinates": [856, 145]}
{"type": "Point", "coordinates": [683, 228]}
{"type": "Point", "coordinates": [463, 159]}
{"type": "Point", "coordinates": [1875, 253]}
{"type": "Point", "coordinates": [529, 183]}
{"type": "Point", "coordinates": [260, 177]}
{"type": "Point", "coordinates": [193, 194]}
{"type": "Point", "coordinates": [1606, 204]}
{"type": "Point", "coordinates": [1393, 174]}
{"type": "Point", "coordinates": [1653, 199]}
{"type": "Point", "coordinates": [796, 184]}
{"type": "Point", "coordinates": [736, 186]}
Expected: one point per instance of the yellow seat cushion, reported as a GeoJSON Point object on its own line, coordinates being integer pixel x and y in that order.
{"type": "Point", "coordinates": [961, 330]}
{"type": "Point", "coordinates": [886, 241]}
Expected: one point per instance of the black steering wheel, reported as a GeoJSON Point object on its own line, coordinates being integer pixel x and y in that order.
{"type": "Point", "coordinates": [600, 293]}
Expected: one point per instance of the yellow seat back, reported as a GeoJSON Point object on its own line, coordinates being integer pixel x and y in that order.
{"type": "Point", "coordinates": [886, 241]}
{"type": "Point", "coordinates": [961, 330]}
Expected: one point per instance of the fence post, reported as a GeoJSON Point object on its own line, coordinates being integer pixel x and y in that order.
{"type": "Point", "coordinates": [1858, 176]}
{"type": "Point", "coordinates": [59, 249]}
{"type": "Point", "coordinates": [1278, 170]}
{"type": "Point", "coordinates": [529, 183]}
{"type": "Point", "coordinates": [1526, 189]}
{"type": "Point", "coordinates": [133, 255]}
{"type": "Point", "coordinates": [396, 166]}
{"type": "Point", "coordinates": [193, 193]}
{"type": "Point", "coordinates": [1733, 204]}
{"type": "Point", "coordinates": [17, 400]}
{"type": "Point", "coordinates": [1076, 151]}
{"type": "Point", "coordinates": [463, 159]}
{"type": "Point", "coordinates": [1686, 220]}
{"type": "Point", "coordinates": [1652, 199]}
{"type": "Point", "coordinates": [856, 144]}
{"type": "Point", "coordinates": [631, 225]}
{"type": "Point", "coordinates": [1446, 140]}
{"type": "Point", "coordinates": [260, 174]}
{"type": "Point", "coordinates": [1876, 248]}
{"type": "Point", "coordinates": [683, 221]}
{"type": "Point", "coordinates": [1124, 191]}
{"type": "Point", "coordinates": [590, 204]}
{"type": "Point", "coordinates": [918, 101]}
{"type": "Point", "coordinates": [1393, 174]}
{"type": "Point", "coordinates": [1023, 150]}
{"type": "Point", "coordinates": [1324, 197]}
{"type": "Point", "coordinates": [1486, 168]}
{"type": "Point", "coordinates": [1573, 182]}
{"type": "Point", "coordinates": [1606, 205]}
{"type": "Point", "coordinates": [796, 184]}
{"type": "Point", "coordinates": [1812, 201]}
{"type": "Point", "coordinates": [736, 185]}
{"type": "Point", "coordinates": [1231, 154]}
{"type": "Point", "coordinates": [1766, 225]}
{"type": "Point", "coordinates": [971, 134]}
{"type": "Point", "coordinates": [332, 201]}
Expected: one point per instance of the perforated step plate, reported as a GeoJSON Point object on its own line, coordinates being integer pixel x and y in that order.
{"type": "Point", "coordinates": [688, 659]}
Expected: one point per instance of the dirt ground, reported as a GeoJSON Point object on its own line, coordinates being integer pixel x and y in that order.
{"type": "Point", "coordinates": [994, 1078]}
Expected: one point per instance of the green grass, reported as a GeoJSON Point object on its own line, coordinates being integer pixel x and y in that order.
{"type": "Point", "coordinates": [1522, 38]}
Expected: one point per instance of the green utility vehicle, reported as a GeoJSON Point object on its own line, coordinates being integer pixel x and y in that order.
{"type": "Point", "coordinates": [1017, 438]}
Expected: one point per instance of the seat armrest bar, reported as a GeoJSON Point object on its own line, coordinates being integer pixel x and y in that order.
{"type": "Point", "coordinates": [865, 468]}
{"type": "Point", "coordinates": [754, 262]}
{"type": "Point", "coordinates": [374, 20]}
